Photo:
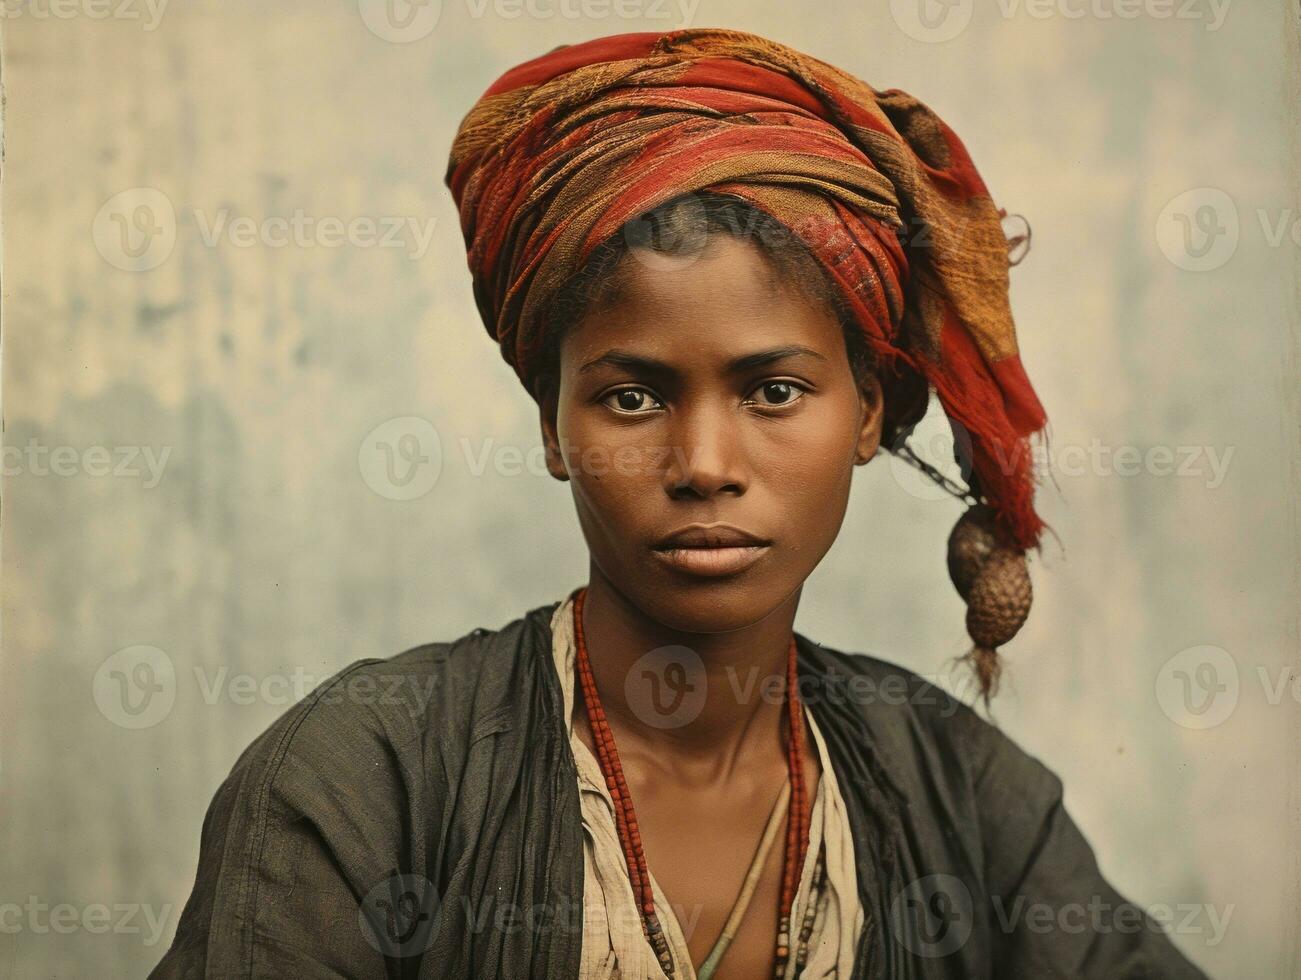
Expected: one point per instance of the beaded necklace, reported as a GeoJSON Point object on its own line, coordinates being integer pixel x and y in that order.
{"type": "Point", "coordinates": [797, 827]}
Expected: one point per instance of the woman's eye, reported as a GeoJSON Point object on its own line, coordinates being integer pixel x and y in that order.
{"type": "Point", "coordinates": [630, 401]}
{"type": "Point", "coordinates": [778, 393]}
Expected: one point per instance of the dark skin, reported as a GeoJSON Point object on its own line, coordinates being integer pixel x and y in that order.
{"type": "Point", "coordinates": [770, 447]}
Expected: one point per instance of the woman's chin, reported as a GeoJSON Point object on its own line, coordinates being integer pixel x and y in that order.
{"type": "Point", "coordinates": [713, 604]}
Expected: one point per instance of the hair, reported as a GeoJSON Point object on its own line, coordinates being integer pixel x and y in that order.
{"type": "Point", "coordinates": [680, 228]}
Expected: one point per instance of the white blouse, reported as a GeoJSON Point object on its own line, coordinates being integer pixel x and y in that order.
{"type": "Point", "coordinates": [614, 947]}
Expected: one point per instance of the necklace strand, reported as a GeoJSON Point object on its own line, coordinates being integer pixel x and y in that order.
{"type": "Point", "coordinates": [797, 828]}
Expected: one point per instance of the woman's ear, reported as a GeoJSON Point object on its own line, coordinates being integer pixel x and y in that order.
{"type": "Point", "coordinates": [547, 409]}
{"type": "Point", "coordinates": [872, 403]}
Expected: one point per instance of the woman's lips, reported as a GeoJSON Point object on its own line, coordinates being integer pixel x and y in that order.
{"type": "Point", "coordinates": [711, 550]}
{"type": "Point", "coordinates": [712, 561]}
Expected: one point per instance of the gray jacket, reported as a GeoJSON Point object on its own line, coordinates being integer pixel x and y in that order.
{"type": "Point", "coordinates": [418, 817]}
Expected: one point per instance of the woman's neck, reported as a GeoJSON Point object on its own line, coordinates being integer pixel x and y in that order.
{"type": "Point", "coordinates": [698, 718]}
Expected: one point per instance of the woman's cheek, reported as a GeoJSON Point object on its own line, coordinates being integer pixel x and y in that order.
{"type": "Point", "coordinates": [813, 448]}
{"type": "Point", "coordinates": [831, 444]}
{"type": "Point", "coordinates": [816, 475]}
{"type": "Point", "coordinates": [611, 487]}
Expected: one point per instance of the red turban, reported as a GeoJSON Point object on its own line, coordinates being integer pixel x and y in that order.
{"type": "Point", "coordinates": [564, 149]}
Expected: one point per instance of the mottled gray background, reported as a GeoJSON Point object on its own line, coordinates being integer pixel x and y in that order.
{"type": "Point", "coordinates": [272, 542]}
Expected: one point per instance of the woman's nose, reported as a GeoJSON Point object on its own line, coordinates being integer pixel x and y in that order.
{"type": "Point", "coordinates": [706, 456]}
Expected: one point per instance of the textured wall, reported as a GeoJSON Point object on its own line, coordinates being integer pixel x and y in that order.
{"type": "Point", "coordinates": [191, 399]}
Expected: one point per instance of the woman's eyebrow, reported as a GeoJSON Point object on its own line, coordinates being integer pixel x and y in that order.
{"type": "Point", "coordinates": [760, 358]}
{"type": "Point", "coordinates": [629, 360]}
{"type": "Point", "coordinates": [746, 362]}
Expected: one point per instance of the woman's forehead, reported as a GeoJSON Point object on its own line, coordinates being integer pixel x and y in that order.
{"type": "Point", "coordinates": [714, 337]}
{"type": "Point", "coordinates": [725, 265]}
{"type": "Point", "coordinates": [712, 292]}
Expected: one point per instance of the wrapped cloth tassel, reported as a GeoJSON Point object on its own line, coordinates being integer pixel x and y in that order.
{"type": "Point", "coordinates": [993, 578]}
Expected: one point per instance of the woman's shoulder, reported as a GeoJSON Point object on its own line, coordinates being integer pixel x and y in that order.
{"type": "Point", "coordinates": [346, 785]}
{"type": "Point", "coordinates": [361, 747]}
{"type": "Point", "coordinates": [447, 687]}
{"type": "Point", "coordinates": [920, 729]}
{"type": "Point", "coordinates": [882, 690]}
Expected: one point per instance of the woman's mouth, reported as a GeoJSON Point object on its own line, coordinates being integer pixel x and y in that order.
{"type": "Point", "coordinates": [711, 549]}
{"type": "Point", "coordinates": [712, 561]}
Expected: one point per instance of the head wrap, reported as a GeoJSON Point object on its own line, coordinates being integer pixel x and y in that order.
{"type": "Point", "coordinates": [564, 149]}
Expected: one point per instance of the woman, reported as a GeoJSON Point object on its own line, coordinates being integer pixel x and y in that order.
{"type": "Point", "coordinates": [726, 272]}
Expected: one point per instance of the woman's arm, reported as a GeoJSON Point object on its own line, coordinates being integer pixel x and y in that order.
{"type": "Point", "coordinates": [305, 837]}
{"type": "Point", "coordinates": [1053, 914]}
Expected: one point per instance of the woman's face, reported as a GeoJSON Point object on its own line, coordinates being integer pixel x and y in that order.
{"type": "Point", "coordinates": [708, 392]}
